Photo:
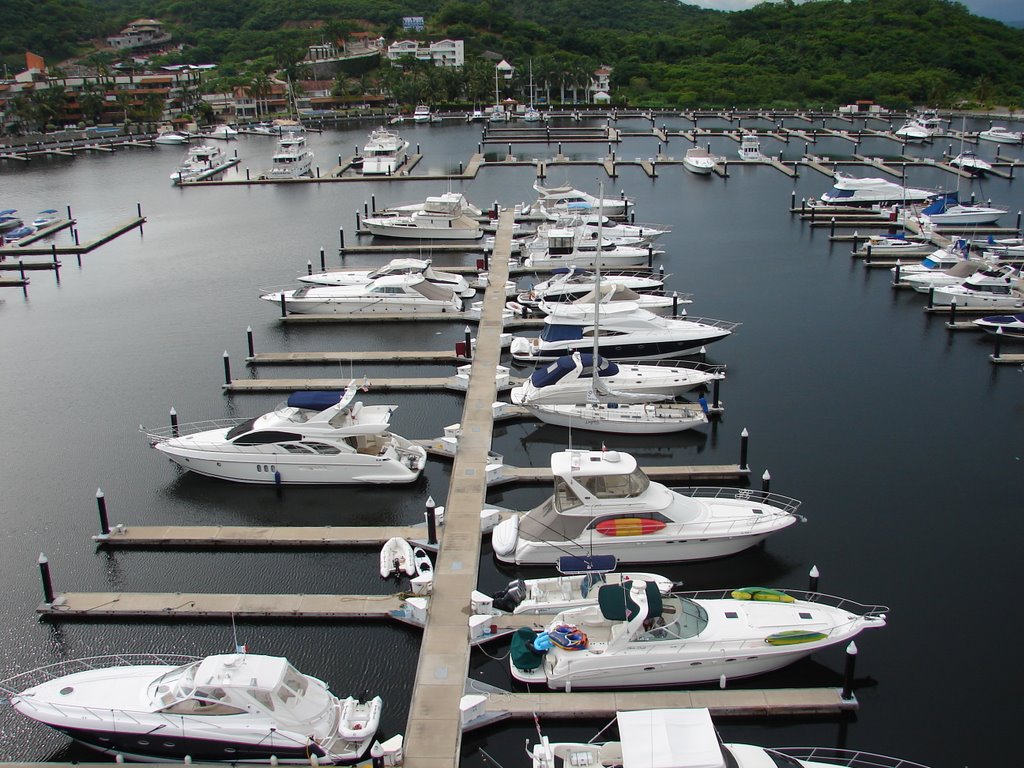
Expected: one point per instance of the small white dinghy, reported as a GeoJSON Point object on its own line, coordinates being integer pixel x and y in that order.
{"type": "Point", "coordinates": [396, 558]}
{"type": "Point", "coordinates": [424, 578]}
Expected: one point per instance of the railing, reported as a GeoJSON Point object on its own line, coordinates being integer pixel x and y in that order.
{"type": "Point", "coordinates": [163, 434]}
{"type": "Point", "coordinates": [725, 325]}
{"type": "Point", "coordinates": [839, 603]}
{"type": "Point", "coordinates": [785, 504]}
{"type": "Point", "coordinates": [845, 757]}
{"type": "Point", "coordinates": [17, 683]}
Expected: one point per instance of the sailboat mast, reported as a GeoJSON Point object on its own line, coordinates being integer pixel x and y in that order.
{"type": "Point", "coordinates": [597, 291]}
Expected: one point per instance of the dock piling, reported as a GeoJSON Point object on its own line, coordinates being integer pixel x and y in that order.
{"type": "Point", "coordinates": [766, 481]}
{"type": "Point", "coordinates": [999, 343]}
{"type": "Point", "coordinates": [101, 506]}
{"type": "Point", "coordinates": [714, 394]}
{"type": "Point", "coordinates": [431, 515]}
{"type": "Point", "coordinates": [284, 306]}
{"type": "Point", "coordinates": [173, 414]}
{"type": "Point", "coordinates": [341, 238]}
{"type": "Point", "coordinates": [896, 274]}
{"type": "Point", "coordinates": [249, 341]}
{"type": "Point", "coordinates": [675, 304]}
{"type": "Point", "coordinates": [469, 343]}
{"type": "Point", "coordinates": [44, 572]}
{"type": "Point", "coordinates": [227, 368]}
{"type": "Point", "coordinates": [323, 260]}
{"type": "Point", "coordinates": [309, 267]}
{"type": "Point", "coordinates": [851, 663]}
{"type": "Point", "coordinates": [744, 445]}
{"type": "Point", "coordinates": [952, 313]}
{"type": "Point", "coordinates": [138, 209]}
{"type": "Point", "coordinates": [373, 198]}
{"type": "Point", "coordinates": [812, 581]}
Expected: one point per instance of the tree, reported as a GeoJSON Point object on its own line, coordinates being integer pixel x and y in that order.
{"type": "Point", "coordinates": [259, 89]}
{"type": "Point", "coordinates": [91, 101]}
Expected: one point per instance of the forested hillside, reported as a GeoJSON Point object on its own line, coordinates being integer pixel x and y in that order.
{"type": "Point", "coordinates": [897, 52]}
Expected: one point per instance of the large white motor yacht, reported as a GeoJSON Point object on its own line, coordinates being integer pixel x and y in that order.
{"type": "Point", "coordinates": [636, 637]}
{"type": "Point", "coordinates": [237, 708]}
{"type": "Point", "coordinates": [849, 190]}
{"type": "Point", "coordinates": [995, 289]}
{"type": "Point", "coordinates": [625, 332]}
{"type": "Point", "coordinates": [201, 162]}
{"type": "Point", "coordinates": [604, 504]}
{"type": "Point", "coordinates": [575, 247]}
{"type": "Point", "coordinates": [381, 152]}
{"type": "Point", "coordinates": [292, 159]}
{"type": "Point", "coordinates": [750, 148]}
{"type": "Point", "coordinates": [423, 267]}
{"type": "Point", "coordinates": [314, 438]}
{"type": "Point", "coordinates": [396, 293]}
{"type": "Point", "coordinates": [1001, 135]}
{"type": "Point", "coordinates": [919, 129]}
{"type": "Point", "coordinates": [440, 218]}
{"type": "Point", "coordinates": [554, 202]}
{"type": "Point", "coordinates": [686, 738]}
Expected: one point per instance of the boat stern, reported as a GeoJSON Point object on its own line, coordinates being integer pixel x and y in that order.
{"type": "Point", "coordinates": [505, 538]}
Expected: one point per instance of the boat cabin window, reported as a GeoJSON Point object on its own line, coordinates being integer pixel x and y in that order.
{"type": "Point", "coordinates": [617, 486]}
{"type": "Point", "coordinates": [680, 619]}
{"type": "Point", "coordinates": [296, 448]}
{"type": "Point", "coordinates": [293, 686]}
{"type": "Point", "coordinates": [263, 698]}
{"type": "Point", "coordinates": [241, 429]}
{"type": "Point", "coordinates": [204, 701]}
{"type": "Point", "coordinates": [781, 760]}
{"type": "Point", "coordinates": [323, 448]}
{"type": "Point", "coordinates": [266, 437]}
{"type": "Point", "coordinates": [565, 497]}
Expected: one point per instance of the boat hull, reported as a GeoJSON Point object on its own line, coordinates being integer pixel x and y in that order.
{"type": "Point", "coordinates": [638, 419]}
{"type": "Point", "coordinates": [422, 232]}
{"type": "Point", "coordinates": [640, 350]}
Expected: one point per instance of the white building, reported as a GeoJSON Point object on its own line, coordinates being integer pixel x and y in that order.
{"type": "Point", "coordinates": [601, 85]}
{"type": "Point", "coordinates": [138, 34]}
{"type": "Point", "coordinates": [444, 53]}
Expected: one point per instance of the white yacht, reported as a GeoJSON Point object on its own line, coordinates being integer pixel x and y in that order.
{"type": "Point", "coordinates": [406, 294]}
{"type": "Point", "coordinates": [686, 738]}
{"type": "Point", "coordinates": [237, 708]}
{"type": "Point", "coordinates": [970, 162]}
{"type": "Point", "coordinates": [947, 210]}
{"type": "Point", "coordinates": [569, 284]}
{"type": "Point", "coordinates": [586, 227]}
{"type": "Point", "coordinates": [421, 114]}
{"type": "Point", "coordinates": [555, 202]}
{"type": "Point", "coordinates": [625, 332]}
{"type": "Point", "coordinates": [621, 418]}
{"type": "Point", "coordinates": [381, 152]}
{"type": "Point", "coordinates": [456, 282]}
{"type": "Point", "coordinates": [223, 131]}
{"type": "Point", "coordinates": [292, 159]}
{"type": "Point", "coordinates": [557, 593]}
{"type": "Point", "coordinates": [613, 291]}
{"type": "Point", "coordinates": [201, 162]}
{"type": "Point", "coordinates": [604, 504]}
{"type": "Point", "coordinates": [895, 245]}
{"type": "Point", "coordinates": [635, 637]}
{"type": "Point", "coordinates": [570, 378]}
{"type": "Point", "coordinates": [312, 438]}
{"type": "Point", "coordinates": [440, 218]}
{"type": "Point", "coordinates": [920, 128]}
{"type": "Point", "coordinates": [572, 247]}
{"type": "Point", "coordinates": [849, 190]}
{"type": "Point", "coordinates": [1002, 135]}
{"type": "Point", "coordinates": [923, 280]}
{"type": "Point", "coordinates": [750, 148]}
{"type": "Point", "coordinates": [701, 161]}
{"type": "Point", "coordinates": [171, 136]}
{"type": "Point", "coordinates": [996, 289]}
{"type": "Point", "coordinates": [1010, 326]}
{"type": "Point", "coordinates": [935, 262]}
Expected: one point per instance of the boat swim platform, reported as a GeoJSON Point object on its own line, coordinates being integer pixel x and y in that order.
{"type": "Point", "coordinates": [780, 702]}
{"type": "Point", "coordinates": [199, 605]}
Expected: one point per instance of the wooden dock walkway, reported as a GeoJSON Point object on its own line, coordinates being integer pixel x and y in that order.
{"type": "Point", "coordinates": [247, 537]}
{"type": "Point", "coordinates": [441, 356]}
{"type": "Point", "coordinates": [412, 384]}
{"type": "Point", "coordinates": [53, 250]}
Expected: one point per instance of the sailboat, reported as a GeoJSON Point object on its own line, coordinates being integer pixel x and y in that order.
{"type": "Point", "coordinates": [532, 115]}
{"type": "Point", "coordinates": [616, 412]}
{"type": "Point", "coordinates": [498, 112]}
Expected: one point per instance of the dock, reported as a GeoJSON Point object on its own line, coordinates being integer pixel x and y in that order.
{"type": "Point", "coordinates": [248, 537]}
{"type": "Point", "coordinates": [74, 250]}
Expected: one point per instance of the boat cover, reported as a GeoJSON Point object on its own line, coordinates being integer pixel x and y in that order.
{"type": "Point", "coordinates": [571, 565]}
{"type": "Point", "coordinates": [556, 371]}
{"type": "Point", "coordinates": [669, 738]}
{"type": "Point", "coordinates": [617, 605]}
{"type": "Point", "coordinates": [524, 656]}
{"type": "Point", "coordinates": [940, 203]}
{"type": "Point", "coordinates": [314, 400]}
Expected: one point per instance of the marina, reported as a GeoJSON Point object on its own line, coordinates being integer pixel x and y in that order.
{"type": "Point", "coordinates": [802, 401]}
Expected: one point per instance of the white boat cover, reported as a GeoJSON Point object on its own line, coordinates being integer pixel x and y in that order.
{"type": "Point", "coordinates": [669, 738]}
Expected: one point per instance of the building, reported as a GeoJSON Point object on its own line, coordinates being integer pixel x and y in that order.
{"type": "Point", "coordinates": [357, 44]}
{"type": "Point", "coordinates": [600, 87]}
{"type": "Point", "coordinates": [444, 53]}
{"type": "Point", "coordinates": [141, 33]}
{"type": "Point", "coordinates": [414, 23]}
{"type": "Point", "coordinates": [242, 103]}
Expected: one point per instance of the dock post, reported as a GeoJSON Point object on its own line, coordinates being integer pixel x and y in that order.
{"type": "Point", "coordinates": [318, 171]}
{"type": "Point", "coordinates": [53, 252]}
{"type": "Point", "coordinates": [896, 274]}
{"type": "Point", "coordinates": [341, 238]}
{"type": "Point", "coordinates": [366, 209]}
{"type": "Point", "coordinates": [510, 151]}
{"type": "Point", "coordinates": [138, 209]}
{"type": "Point", "coordinates": [675, 304]}
{"type": "Point", "coordinates": [487, 262]}
{"type": "Point", "coordinates": [999, 343]}
{"type": "Point", "coordinates": [323, 260]}
{"type": "Point", "coordinates": [431, 521]}
{"type": "Point", "coordinates": [44, 572]}
{"type": "Point", "coordinates": [813, 212]}
{"type": "Point", "coordinates": [867, 253]}
{"type": "Point", "coordinates": [247, 174]}
{"type": "Point", "coordinates": [792, 202]}
{"type": "Point", "coordinates": [74, 234]}
{"type": "Point", "coordinates": [309, 267]}
{"type": "Point", "coordinates": [856, 241]}
{"type": "Point", "coordinates": [812, 579]}
{"type": "Point", "coordinates": [931, 298]}
{"type": "Point", "coordinates": [227, 368]}
{"type": "Point", "coordinates": [559, 148]}
{"type": "Point", "coordinates": [101, 506]}
{"type": "Point", "coordinates": [69, 213]}
{"type": "Point", "coordinates": [766, 481]}
{"type": "Point", "coordinates": [21, 269]}
{"type": "Point", "coordinates": [832, 227]}
{"type": "Point", "coordinates": [357, 222]}
{"type": "Point", "coordinates": [469, 343]}
{"type": "Point", "coordinates": [803, 205]}
{"type": "Point", "coordinates": [952, 313]}
{"type": "Point", "coordinates": [377, 755]}
{"type": "Point", "coordinates": [284, 306]}
{"type": "Point", "coordinates": [249, 341]}
{"type": "Point", "coordinates": [661, 272]}
{"type": "Point", "coordinates": [714, 394]}
{"type": "Point", "coordinates": [339, 159]}
{"type": "Point", "coordinates": [174, 422]}
{"type": "Point", "coordinates": [744, 445]}
{"type": "Point", "coordinates": [851, 663]}
{"type": "Point", "coordinates": [1018, 213]}
{"type": "Point", "coordinates": [460, 168]}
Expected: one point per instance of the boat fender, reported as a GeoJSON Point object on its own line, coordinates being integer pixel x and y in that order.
{"type": "Point", "coordinates": [763, 594]}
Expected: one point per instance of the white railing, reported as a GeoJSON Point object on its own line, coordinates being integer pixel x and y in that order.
{"type": "Point", "coordinates": [840, 603]}
{"type": "Point", "coordinates": [20, 682]}
{"type": "Point", "coordinates": [845, 757]}
{"type": "Point", "coordinates": [784, 504]}
{"type": "Point", "coordinates": [162, 434]}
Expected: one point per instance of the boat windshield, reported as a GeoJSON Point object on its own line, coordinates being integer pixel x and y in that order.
{"type": "Point", "coordinates": [545, 523]}
{"type": "Point", "coordinates": [615, 486]}
{"type": "Point", "coordinates": [680, 619]}
{"type": "Point", "coordinates": [558, 332]}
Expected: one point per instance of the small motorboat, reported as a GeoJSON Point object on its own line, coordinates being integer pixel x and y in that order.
{"type": "Point", "coordinates": [970, 162]}
{"type": "Point", "coordinates": [236, 707]}
{"type": "Point", "coordinates": [396, 558]}
{"type": "Point", "coordinates": [947, 210]}
{"type": "Point", "coordinates": [1008, 326]}
{"type": "Point", "coordinates": [996, 289]}
{"type": "Point", "coordinates": [171, 137]}
{"type": "Point", "coordinates": [222, 131]}
{"type": "Point", "coordinates": [9, 221]}
{"type": "Point", "coordinates": [1001, 135]}
{"type": "Point", "coordinates": [557, 593]}
{"type": "Point", "coordinates": [45, 218]}
{"type": "Point", "coordinates": [423, 579]}
{"type": "Point", "coordinates": [701, 161]}
{"type": "Point", "coordinates": [19, 232]}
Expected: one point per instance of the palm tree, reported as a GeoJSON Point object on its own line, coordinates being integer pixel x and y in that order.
{"type": "Point", "coordinates": [91, 101]}
{"type": "Point", "coordinates": [259, 89]}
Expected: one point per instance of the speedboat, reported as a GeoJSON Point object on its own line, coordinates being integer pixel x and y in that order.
{"type": "Point", "coordinates": [986, 289]}
{"type": "Point", "coordinates": [423, 267]}
{"type": "Point", "coordinates": [1001, 249]}
{"type": "Point", "coordinates": [45, 218]}
{"type": "Point", "coordinates": [569, 379]}
{"type": "Point", "coordinates": [19, 232]}
{"type": "Point", "coordinates": [970, 162]}
{"type": "Point", "coordinates": [421, 114]}
{"type": "Point", "coordinates": [406, 294]}
{"type": "Point", "coordinates": [946, 210]}
{"type": "Point", "coordinates": [1010, 326]}
{"type": "Point", "coordinates": [9, 221]}
{"type": "Point", "coordinates": [1001, 135]}
{"type": "Point", "coordinates": [224, 131]}
{"type": "Point", "coordinates": [919, 129]}
{"type": "Point", "coordinates": [380, 153]}
{"type": "Point", "coordinates": [686, 738]}
{"type": "Point", "coordinates": [750, 148]}
{"type": "Point", "coordinates": [558, 201]}
{"type": "Point", "coordinates": [312, 438]}
{"type": "Point", "coordinates": [569, 284]}
{"type": "Point", "coordinates": [200, 162]}
{"type": "Point", "coordinates": [171, 137]}
{"type": "Point", "coordinates": [849, 190]}
{"type": "Point", "coordinates": [699, 160]}
{"type": "Point", "coordinates": [923, 281]}
{"type": "Point", "coordinates": [440, 218]}
{"type": "Point", "coordinates": [604, 504]}
{"type": "Point", "coordinates": [292, 159]}
{"type": "Point", "coordinates": [636, 637]}
{"type": "Point", "coordinates": [497, 115]}
{"type": "Point", "coordinates": [586, 226]}
{"type": "Point", "coordinates": [935, 262]}
{"type": "Point", "coordinates": [895, 245]}
{"type": "Point", "coordinates": [625, 332]}
{"type": "Point", "coordinates": [237, 708]}
{"type": "Point", "coordinates": [557, 593]}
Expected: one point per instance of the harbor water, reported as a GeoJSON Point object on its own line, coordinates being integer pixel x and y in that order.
{"type": "Point", "coordinates": [901, 438]}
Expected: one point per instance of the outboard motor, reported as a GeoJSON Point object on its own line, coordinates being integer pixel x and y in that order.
{"type": "Point", "coordinates": [510, 597]}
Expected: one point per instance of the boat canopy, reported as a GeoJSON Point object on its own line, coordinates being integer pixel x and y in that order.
{"type": "Point", "coordinates": [669, 738]}
{"type": "Point", "coordinates": [559, 332]}
{"type": "Point", "coordinates": [940, 203]}
{"type": "Point", "coordinates": [573, 565]}
{"type": "Point", "coordinates": [556, 371]}
{"type": "Point", "coordinates": [617, 605]}
{"type": "Point", "coordinates": [315, 400]}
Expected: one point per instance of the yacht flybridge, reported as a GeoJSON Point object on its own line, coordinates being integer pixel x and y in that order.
{"type": "Point", "coordinates": [237, 708]}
